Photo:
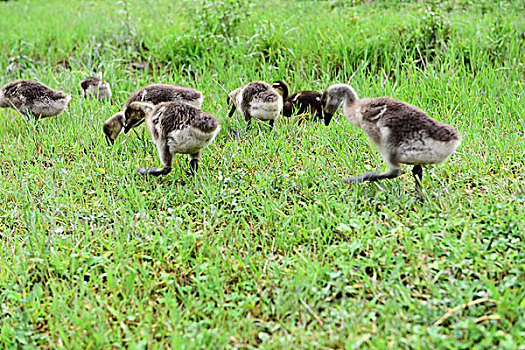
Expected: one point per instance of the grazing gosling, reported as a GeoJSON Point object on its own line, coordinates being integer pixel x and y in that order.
{"type": "Point", "coordinates": [95, 88]}
{"type": "Point", "coordinates": [302, 102]}
{"type": "Point", "coordinates": [31, 98]}
{"type": "Point", "coordinates": [158, 93]}
{"type": "Point", "coordinates": [175, 128]}
{"type": "Point", "coordinates": [113, 126]}
{"type": "Point", "coordinates": [256, 100]}
{"type": "Point", "coordinates": [153, 94]}
{"type": "Point", "coordinates": [402, 133]}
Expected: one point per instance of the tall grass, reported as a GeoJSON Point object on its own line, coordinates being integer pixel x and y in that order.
{"type": "Point", "coordinates": [266, 247]}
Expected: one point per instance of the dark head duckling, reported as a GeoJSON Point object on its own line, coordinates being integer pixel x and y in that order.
{"type": "Point", "coordinates": [155, 94]}
{"type": "Point", "coordinates": [256, 100]}
{"type": "Point", "coordinates": [302, 102]}
{"type": "Point", "coordinates": [402, 133]}
{"type": "Point", "coordinates": [175, 128]}
{"type": "Point", "coordinates": [158, 93]}
{"type": "Point", "coordinates": [31, 98]}
{"type": "Point", "coordinates": [95, 88]}
{"type": "Point", "coordinates": [113, 126]}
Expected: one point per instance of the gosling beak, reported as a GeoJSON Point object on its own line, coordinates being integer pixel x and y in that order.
{"type": "Point", "coordinates": [127, 128]}
{"type": "Point", "coordinates": [110, 140]}
{"type": "Point", "coordinates": [327, 118]}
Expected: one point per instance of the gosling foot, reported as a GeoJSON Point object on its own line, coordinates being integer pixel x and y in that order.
{"type": "Point", "coordinates": [152, 171]}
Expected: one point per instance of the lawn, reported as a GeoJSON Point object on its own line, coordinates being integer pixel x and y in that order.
{"type": "Point", "coordinates": [266, 247]}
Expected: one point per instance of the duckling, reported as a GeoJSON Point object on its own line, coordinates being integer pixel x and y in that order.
{"type": "Point", "coordinates": [95, 88]}
{"type": "Point", "coordinates": [153, 94]}
{"type": "Point", "coordinates": [31, 98]}
{"type": "Point", "coordinates": [113, 126]}
{"type": "Point", "coordinates": [302, 102]}
{"type": "Point", "coordinates": [157, 93]}
{"type": "Point", "coordinates": [175, 128]}
{"type": "Point", "coordinates": [258, 100]}
{"type": "Point", "coordinates": [402, 133]}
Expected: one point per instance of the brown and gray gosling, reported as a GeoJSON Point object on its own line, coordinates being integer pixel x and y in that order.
{"type": "Point", "coordinates": [95, 88]}
{"type": "Point", "coordinates": [301, 102]}
{"type": "Point", "coordinates": [175, 128]}
{"type": "Point", "coordinates": [402, 133]}
{"type": "Point", "coordinates": [113, 126]}
{"type": "Point", "coordinates": [31, 98]}
{"type": "Point", "coordinates": [158, 93]}
{"type": "Point", "coordinates": [256, 100]}
{"type": "Point", "coordinates": [152, 94]}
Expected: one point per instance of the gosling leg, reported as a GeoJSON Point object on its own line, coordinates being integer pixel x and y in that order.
{"type": "Point", "coordinates": [194, 164]}
{"type": "Point", "coordinates": [248, 119]}
{"type": "Point", "coordinates": [272, 122]}
{"type": "Point", "coordinates": [165, 158]}
{"type": "Point", "coordinates": [417, 171]}
{"type": "Point", "coordinates": [373, 176]}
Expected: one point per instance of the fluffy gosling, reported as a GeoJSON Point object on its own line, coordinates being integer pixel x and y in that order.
{"type": "Point", "coordinates": [256, 100]}
{"type": "Point", "coordinates": [175, 128]}
{"type": "Point", "coordinates": [158, 93]}
{"type": "Point", "coordinates": [31, 98]}
{"type": "Point", "coordinates": [402, 133]}
{"type": "Point", "coordinates": [301, 102]}
{"type": "Point", "coordinates": [113, 126]}
{"type": "Point", "coordinates": [152, 94]}
{"type": "Point", "coordinates": [95, 88]}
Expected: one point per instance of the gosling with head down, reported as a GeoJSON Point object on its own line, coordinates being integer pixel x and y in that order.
{"type": "Point", "coordinates": [402, 133]}
{"type": "Point", "coordinates": [31, 98]}
{"type": "Point", "coordinates": [113, 126]}
{"type": "Point", "coordinates": [256, 100]}
{"type": "Point", "coordinates": [175, 128]}
{"type": "Point", "coordinates": [152, 94]}
{"type": "Point", "coordinates": [301, 102]}
{"type": "Point", "coordinates": [95, 88]}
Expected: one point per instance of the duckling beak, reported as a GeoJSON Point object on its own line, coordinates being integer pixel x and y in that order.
{"type": "Point", "coordinates": [327, 118]}
{"type": "Point", "coordinates": [232, 111]}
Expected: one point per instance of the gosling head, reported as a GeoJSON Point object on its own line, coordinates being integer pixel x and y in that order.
{"type": "Point", "coordinates": [231, 100]}
{"type": "Point", "coordinates": [232, 97]}
{"type": "Point", "coordinates": [135, 114]}
{"type": "Point", "coordinates": [282, 88]}
{"type": "Point", "coordinates": [113, 126]}
{"type": "Point", "coordinates": [332, 98]}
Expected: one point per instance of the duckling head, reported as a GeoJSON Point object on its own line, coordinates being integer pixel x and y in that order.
{"type": "Point", "coordinates": [332, 98]}
{"type": "Point", "coordinates": [282, 88]}
{"type": "Point", "coordinates": [231, 100]}
{"type": "Point", "coordinates": [232, 97]}
{"type": "Point", "coordinates": [113, 126]}
{"type": "Point", "coordinates": [135, 114]}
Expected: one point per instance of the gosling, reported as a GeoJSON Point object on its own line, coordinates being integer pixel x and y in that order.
{"type": "Point", "coordinates": [95, 88]}
{"type": "Point", "coordinates": [31, 98]}
{"type": "Point", "coordinates": [301, 102]}
{"type": "Point", "coordinates": [402, 133]}
{"type": "Point", "coordinates": [152, 94]}
{"type": "Point", "coordinates": [175, 128]}
{"type": "Point", "coordinates": [158, 93]}
{"type": "Point", "coordinates": [113, 126]}
{"type": "Point", "coordinates": [256, 100]}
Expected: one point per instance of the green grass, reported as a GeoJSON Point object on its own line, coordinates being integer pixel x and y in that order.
{"type": "Point", "coordinates": [266, 247]}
